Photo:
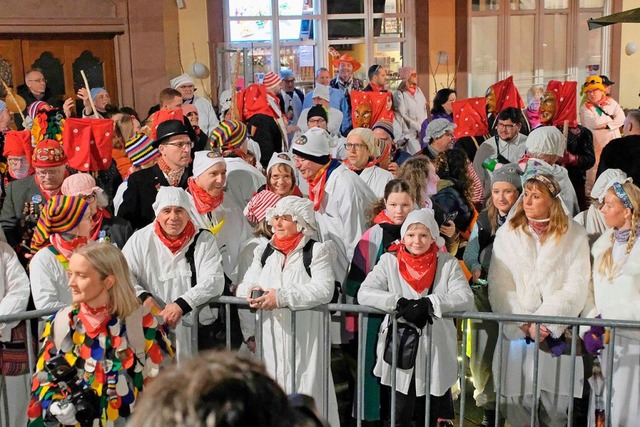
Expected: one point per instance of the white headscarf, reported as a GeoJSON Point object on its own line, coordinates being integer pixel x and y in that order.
{"type": "Point", "coordinates": [301, 211]}
{"type": "Point", "coordinates": [425, 217]}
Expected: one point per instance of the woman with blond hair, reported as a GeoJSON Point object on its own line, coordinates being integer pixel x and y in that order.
{"type": "Point", "coordinates": [540, 266]}
{"type": "Point", "coordinates": [616, 274]}
{"type": "Point", "coordinates": [105, 342]}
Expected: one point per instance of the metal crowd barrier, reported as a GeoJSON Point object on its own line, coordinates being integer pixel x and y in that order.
{"type": "Point", "coordinates": [364, 311]}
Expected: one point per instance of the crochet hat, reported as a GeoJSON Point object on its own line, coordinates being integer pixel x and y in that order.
{"type": "Point", "coordinates": [97, 91]}
{"type": "Point", "coordinates": [510, 173]}
{"type": "Point", "coordinates": [546, 140]}
{"type": "Point", "coordinates": [229, 134]}
{"type": "Point", "coordinates": [281, 159]}
{"type": "Point", "coordinates": [385, 125]}
{"type": "Point", "coordinates": [59, 215]}
{"type": "Point", "coordinates": [271, 80]}
{"type": "Point", "coordinates": [593, 83]}
{"type": "Point", "coordinates": [79, 184]}
{"type": "Point", "coordinates": [321, 91]}
{"type": "Point", "coordinates": [317, 111]}
{"type": "Point", "coordinates": [256, 209]}
{"type": "Point", "coordinates": [287, 75]}
{"type": "Point", "coordinates": [347, 58]}
{"type": "Point", "coordinates": [438, 127]}
{"type": "Point", "coordinates": [314, 145]}
{"type": "Point", "coordinates": [35, 107]}
{"type": "Point", "coordinates": [167, 129]}
{"type": "Point", "coordinates": [170, 196]}
{"type": "Point", "coordinates": [203, 160]}
{"type": "Point", "coordinates": [48, 154]}
{"type": "Point", "coordinates": [140, 150]}
{"type": "Point", "coordinates": [405, 72]}
{"type": "Point", "coordinates": [425, 217]}
{"type": "Point", "coordinates": [18, 143]}
{"type": "Point", "coordinates": [606, 180]}
{"type": "Point", "coordinates": [368, 138]}
{"type": "Point", "coordinates": [182, 79]}
{"type": "Point", "coordinates": [301, 211]}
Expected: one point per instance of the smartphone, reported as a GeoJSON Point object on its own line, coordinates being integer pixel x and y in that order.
{"type": "Point", "coordinates": [451, 216]}
{"type": "Point", "coordinates": [256, 293]}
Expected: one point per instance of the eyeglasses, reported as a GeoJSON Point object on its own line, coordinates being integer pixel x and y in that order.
{"type": "Point", "coordinates": [181, 145]}
{"type": "Point", "coordinates": [89, 198]}
{"type": "Point", "coordinates": [317, 121]}
{"type": "Point", "coordinates": [357, 147]}
{"type": "Point", "coordinates": [37, 81]}
{"type": "Point", "coordinates": [191, 87]}
{"type": "Point", "coordinates": [17, 161]}
{"type": "Point", "coordinates": [505, 126]}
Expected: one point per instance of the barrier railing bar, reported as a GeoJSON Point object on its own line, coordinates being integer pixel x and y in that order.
{"type": "Point", "coordinates": [326, 361]}
{"type": "Point", "coordinates": [498, 381]}
{"type": "Point", "coordinates": [536, 366]}
{"type": "Point", "coordinates": [259, 332]}
{"type": "Point", "coordinates": [463, 369]}
{"type": "Point", "coordinates": [292, 351]}
{"type": "Point", "coordinates": [394, 366]}
{"type": "Point", "coordinates": [574, 350]}
{"type": "Point", "coordinates": [360, 372]}
{"type": "Point", "coordinates": [227, 326]}
{"type": "Point", "coordinates": [30, 356]}
{"type": "Point", "coordinates": [427, 383]}
{"type": "Point", "coordinates": [609, 374]}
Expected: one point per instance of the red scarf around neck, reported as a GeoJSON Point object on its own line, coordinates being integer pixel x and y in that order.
{"type": "Point", "coordinates": [204, 201]}
{"type": "Point", "coordinates": [287, 244]}
{"type": "Point", "coordinates": [383, 218]}
{"type": "Point", "coordinates": [418, 271]}
{"type": "Point", "coordinates": [47, 194]}
{"type": "Point", "coordinates": [94, 319]}
{"type": "Point", "coordinates": [316, 187]}
{"type": "Point", "coordinates": [96, 222]}
{"type": "Point", "coordinates": [173, 175]}
{"type": "Point", "coordinates": [175, 244]}
{"type": "Point", "coordinates": [369, 164]}
{"type": "Point", "coordinates": [66, 247]}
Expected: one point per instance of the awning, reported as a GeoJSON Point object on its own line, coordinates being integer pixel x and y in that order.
{"type": "Point", "coordinates": [632, 15]}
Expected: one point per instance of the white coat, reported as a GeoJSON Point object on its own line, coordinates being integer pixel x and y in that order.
{"type": "Point", "coordinates": [167, 277]}
{"type": "Point", "coordinates": [550, 279]}
{"type": "Point", "coordinates": [232, 236]}
{"type": "Point", "coordinates": [49, 281]}
{"type": "Point", "coordinates": [334, 120]}
{"type": "Point", "coordinates": [342, 215]}
{"type": "Point", "coordinates": [593, 221]}
{"type": "Point", "coordinates": [376, 179]}
{"type": "Point", "coordinates": [614, 119]}
{"type": "Point", "coordinates": [620, 299]}
{"type": "Point", "coordinates": [243, 180]}
{"type": "Point", "coordinates": [412, 110]}
{"type": "Point", "coordinates": [382, 289]}
{"type": "Point", "coordinates": [14, 295]}
{"type": "Point", "coordinates": [296, 291]}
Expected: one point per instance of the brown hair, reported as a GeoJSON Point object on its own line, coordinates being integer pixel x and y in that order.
{"type": "Point", "coordinates": [416, 172]}
{"type": "Point", "coordinates": [263, 229]}
{"type": "Point", "coordinates": [168, 94]}
{"type": "Point", "coordinates": [279, 167]}
{"type": "Point", "coordinates": [632, 190]}
{"type": "Point", "coordinates": [558, 219]}
{"type": "Point", "coordinates": [122, 130]}
{"type": "Point", "coordinates": [393, 186]}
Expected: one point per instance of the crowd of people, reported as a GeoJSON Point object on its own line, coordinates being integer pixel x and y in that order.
{"type": "Point", "coordinates": [352, 193]}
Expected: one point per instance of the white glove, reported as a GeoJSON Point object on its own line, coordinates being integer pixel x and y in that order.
{"type": "Point", "coordinates": [64, 412]}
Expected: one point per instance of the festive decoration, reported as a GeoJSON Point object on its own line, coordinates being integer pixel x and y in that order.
{"type": "Point", "coordinates": [564, 95]}
{"type": "Point", "coordinates": [369, 107]}
{"type": "Point", "coordinates": [470, 117]}
{"type": "Point", "coordinates": [88, 144]}
{"type": "Point", "coordinates": [503, 94]}
{"type": "Point", "coordinates": [48, 123]}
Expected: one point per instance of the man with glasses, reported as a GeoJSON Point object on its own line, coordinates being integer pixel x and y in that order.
{"type": "Point", "coordinates": [508, 146]}
{"type": "Point", "coordinates": [173, 169]}
{"type": "Point", "coordinates": [27, 196]}
{"type": "Point", "coordinates": [34, 89]}
{"type": "Point", "coordinates": [332, 116]}
{"type": "Point", "coordinates": [207, 119]}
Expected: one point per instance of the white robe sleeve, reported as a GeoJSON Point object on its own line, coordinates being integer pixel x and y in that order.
{"type": "Point", "coordinates": [15, 289]}
{"type": "Point", "coordinates": [48, 281]}
{"type": "Point", "coordinates": [457, 295]}
{"type": "Point", "coordinates": [374, 291]}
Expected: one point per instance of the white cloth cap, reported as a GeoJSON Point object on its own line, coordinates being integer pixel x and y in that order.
{"type": "Point", "coordinates": [546, 140]}
{"type": "Point", "coordinates": [369, 138]}
{"type": "Point", "coordinates": [301, 211]}
{"type": "Point", "coordinates": [315, 142]}
{"type": "Point", "coordinates": [171, 196]}
{"type": "Point", "coordinates": [224, 102]}
{"type": "Point", "coordinates": [321, 91]}
{"type": "Point", "coordinates": [425, 217]}
{"type": "Point", "coordinates": [438, 127]}
{"type": "Point", "coordinates": [203, 160]}
{"type": "Point", "coordinates": [606, 180]}
{"type": "Point", "coordinates": [281, 158]}
{"type": "Point", "coordinates": [182, 79]}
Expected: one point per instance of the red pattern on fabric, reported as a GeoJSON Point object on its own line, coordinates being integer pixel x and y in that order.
{"type": "Point", "coordinates": [253, 100]}
{"type": "Point", "coordinates": [566, 102]}
{"type": "Point", "coordinates": [88, 144]}
{"type": "Point", "coordinates": [203, 201]}
{"type": "Point", "coordinates": [162, 116]}
{"type": "Point", "coordinates": [418, 271]}
{"type": "Point", "coordinates": [507, 95]}
{"type": "Point", "coordinates": [176, 244]}
{"type": "Point", "coordinates": [316, 187]}
{"type": "Point", "coordinates": [378, 102]}
{"type": "Point", "coordinates": [470, 117]}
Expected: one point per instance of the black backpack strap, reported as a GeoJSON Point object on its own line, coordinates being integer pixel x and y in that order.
{"type": "Point", "coordinates": [190, 256]}
{"type": "Point", "coordinates": [307, 255]}
{"type": "Point", "coordinates": [266, 254]}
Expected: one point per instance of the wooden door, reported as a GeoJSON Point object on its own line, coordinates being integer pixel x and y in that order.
{"type": "Point", "coordinates": [61, 57]}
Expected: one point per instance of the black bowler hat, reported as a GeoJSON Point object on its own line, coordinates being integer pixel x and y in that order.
{"type": "Point", "coordinates": [167, 129]}
{"type": "Point", "coordinates": [606, 81]}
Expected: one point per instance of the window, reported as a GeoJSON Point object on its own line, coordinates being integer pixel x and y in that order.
{"type": "Point", "coordinates": [544, 40]}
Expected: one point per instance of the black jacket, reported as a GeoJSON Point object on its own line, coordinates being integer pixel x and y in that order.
{"type": "Point", "coordinates": [624, 154]}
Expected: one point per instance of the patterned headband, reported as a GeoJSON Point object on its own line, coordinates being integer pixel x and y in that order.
{"type": "Point", "coordinates": [551, 186]}
{"type": "Point", "coordinates": [622, 195]}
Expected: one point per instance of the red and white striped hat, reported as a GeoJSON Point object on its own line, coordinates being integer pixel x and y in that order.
{"type": "Point", "coordinates": [271, 80]}
{"type": "Point", "coordinates": [256, 209]}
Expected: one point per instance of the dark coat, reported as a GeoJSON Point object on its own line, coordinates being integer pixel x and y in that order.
{"type": "Point", "coordinates": [142, 188]}
{"type": "Point", "coordinates": [116, 230]}
{"type": "Point", "coordinates": [624, 154]}
{"type": "Point", "coordinates": [29, 99]}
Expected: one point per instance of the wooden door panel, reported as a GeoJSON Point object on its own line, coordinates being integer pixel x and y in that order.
{"type": "Point", "coordinates": [11, 71]}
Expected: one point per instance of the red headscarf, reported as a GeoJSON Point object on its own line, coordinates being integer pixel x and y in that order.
{"type": "Point", "coordinates": [566, 102]}
{"type": "Point", "coordinates": [470, 117]}
{"type": "Point", "coordinates": [507, 95]}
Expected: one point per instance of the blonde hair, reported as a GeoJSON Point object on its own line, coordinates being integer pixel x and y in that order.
{"type": "Point", "coordinates": [122, 130]}
{"type": "Point", "coordinates": [109, 261]}
{"type": "Point", "coordinates": [558, 219]}
{"type": "Point", "coordinates": [263, 229]}
{"type": "Point", "coordinates": [632, 190]}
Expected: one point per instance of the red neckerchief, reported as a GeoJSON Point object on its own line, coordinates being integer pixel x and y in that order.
{"type": "Point", "coordinates": [173, 176]}
{"type": "Point", "coordinates": [94, 319]}
{"type": "Point", "coordinates": [287, 244]}
{"type": "Point", "coordinates": [96, 222]}
{"type": "Point", "coordinates": [377, 88]}
{"type": "Point", "coordinates": [47, 194]}
{"type": "Point", "coordinates": [316, 186]}
{"type": "Point", "coordinates": [66, 247]}
{"type": "Point", "coordinates": [418, 271]}
{"type": "Point", "coordinates": [539, 227]}
{"type": "Point", "coordinates": [412, 89]}
{"type": "Point", "coordinates": [204, 201]}
{"type": "Point", "coordinates": [175, 244]}
{"type": "Point", "coordinates": [383, 218]}
{"type": "Point", "coordinates": [604, 101]}
{"type": "Point", "coordinates": [371, 163]}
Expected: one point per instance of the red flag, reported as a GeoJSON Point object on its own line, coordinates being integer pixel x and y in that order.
{"type": "Point", "coordinates": [88, 143]}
